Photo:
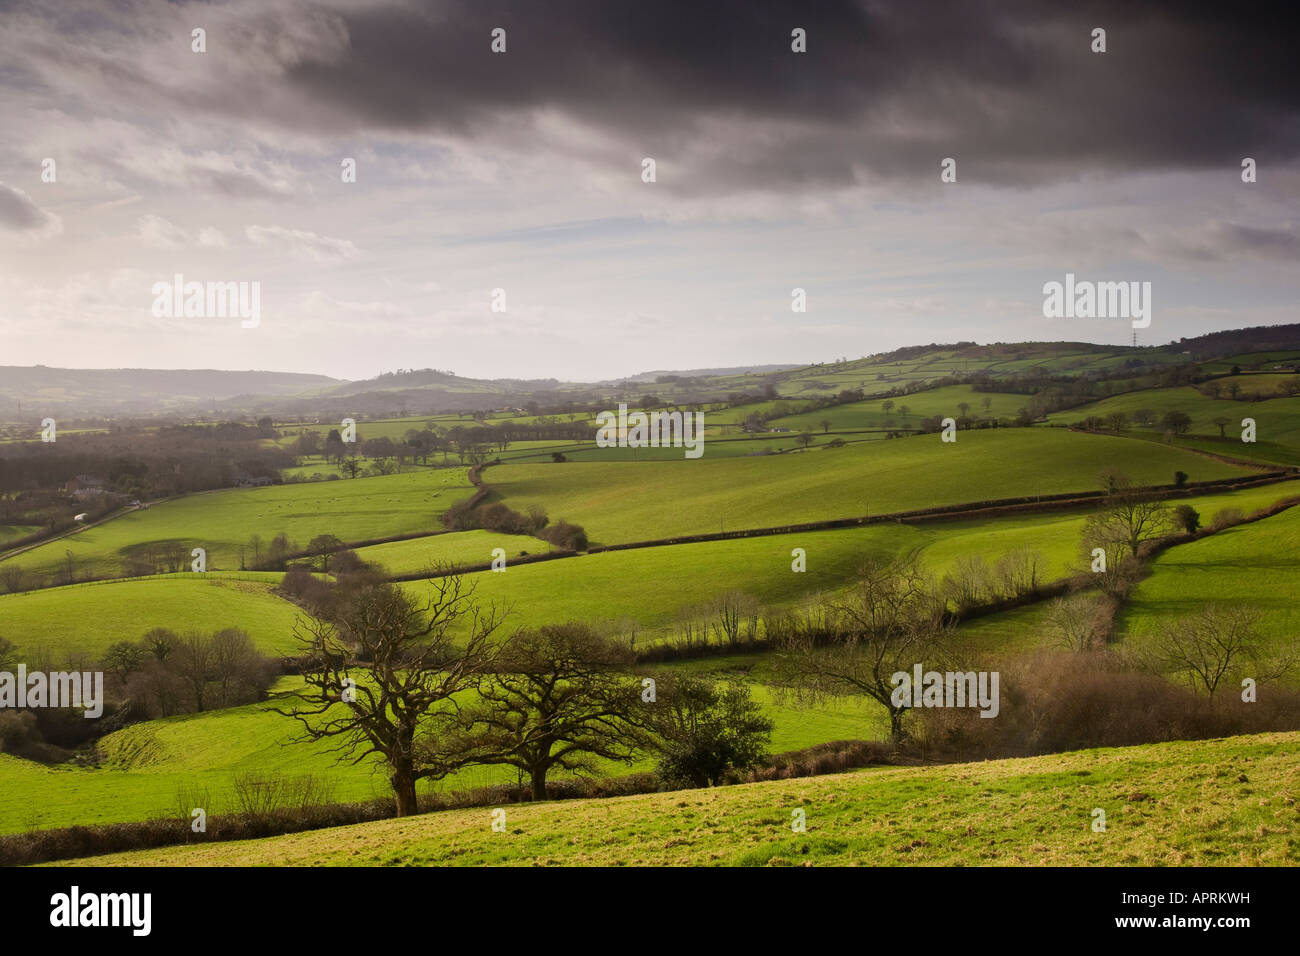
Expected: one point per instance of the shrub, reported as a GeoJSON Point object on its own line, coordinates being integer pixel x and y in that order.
{"type": "Point", "coordinates": [1053, 702]}
{"type": "Point", "coordinates": [568, 537]}
{"type": "Point", "coordinates": [1187, 518]}
{"type": "Point", "coordinates": [1226, 518]}
{"type": "Point", "coordinates": [709, 729]}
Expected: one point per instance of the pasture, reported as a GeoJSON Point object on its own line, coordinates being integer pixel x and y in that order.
{"type": "Point", "coordinates": [1217, 804]}
{"type": "Point", "coordinates": [223, 522]}
{"type": "Point", "coordinates": [86, 619]}
{"type": "Point", "coordinates": [943, 402]}
{"type": "Point", "coordinates": [152, 767]}
{"type": "Point", "coordinates": [1254, 566]}
{"type": "Point", "coordinates": [619, 501]}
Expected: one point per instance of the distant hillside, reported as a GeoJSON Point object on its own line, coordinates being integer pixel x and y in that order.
{"type": "Point", "coordinates": [695, 373]}
{"type": "Point", "coordinates": [125, 391]}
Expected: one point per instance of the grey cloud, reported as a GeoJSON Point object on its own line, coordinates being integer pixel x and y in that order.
{"type": "Point", "coordinates": [19, 213]}
{"type": "Point", "coordinates": [1010, 89]}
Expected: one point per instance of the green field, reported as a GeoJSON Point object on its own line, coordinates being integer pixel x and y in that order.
{"type": "Point", "coordinates": [458, 548]}
{"type": "Point", "coordinates": [224, 521]}
{"type": "Point", "coordinates": [1201, 809]}
{"type": "Point", "coordinates": [728, 447]}
{"type": "Point", "coordinates": [12, 532]}
{"type": "Point", "coordinates": [1211, 803]}
{"type": "Point", "coordinates": [1277, 420]}
{"type": "Point", "coordinates": [653, 586]}
{"type": "Point", "coordinates": [86, 619]}
{"type": "Point", "coordinates": [624, 501]}
{"type": "Point", "coordinates": [1254, 565]}
{"type": "Point", "coordinates": [1249, 360]}
{"type": "Point", "coordinates": [943, 402]}
{"type": "Point", "coordinates": [147, 765]}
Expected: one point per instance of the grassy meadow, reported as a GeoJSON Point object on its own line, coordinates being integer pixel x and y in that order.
{"type": "Point", "coordinates": [83, 619]}
{"type": "Point", "coordinates": [223, 522]}
{"type": "Point", "coordinates": [1201, 803]}
{"type": "Point", "coordinates": [1254, 565]}
{"type": "Point", "coordinates": [1211, 802]}
{"type": "Point", "coordinates": [147, 767]}
{"type": "Point", "coordinates": [654, 586]}
{"type": "Point", "coordinates": [631, 501]}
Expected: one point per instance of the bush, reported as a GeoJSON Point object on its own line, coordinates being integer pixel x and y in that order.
{"type": "Point", "coordinates": [460, 517]}
{"type": "Point", "coordinates": [494, 517]}
{"type": "Point", "coordinates": [709, 729]}
{"type": "Point", "coordinates": [1053, 702]}
{"type": "Point", "coordinates": [1187, 518]}
{"type": "Point", "coordinates": [20, 737]}
{"type": "Point", "coordinates": [568, 537]}
{"type": "Point", "coordinates": [836, 756]}
{"type": "Point", "coordinates": [1226, 518]}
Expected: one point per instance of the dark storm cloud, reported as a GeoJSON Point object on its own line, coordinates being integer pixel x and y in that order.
{"type": "Point", "coordinates": [1010, 89]}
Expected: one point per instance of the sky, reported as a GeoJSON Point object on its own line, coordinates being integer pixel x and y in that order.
{"type": "Point", "coordinates": [523, 171]}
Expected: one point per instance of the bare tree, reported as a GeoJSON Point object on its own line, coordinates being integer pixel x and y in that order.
{"type": "Point", "coordinates": [1129, 517]}
{"type": "Point", "coordinates": [1213, 644]}
{"type": "Point", "coordinates": [385, 670]}
{"type": "Point", "coordinates": [1072, 621]}
{"type": "Point", "coordinates": [891, 619]}
{"type": "Point", "coordinates": [969, 582]}
{"type": "Point", "coordinates": [235, 663]}
{"type": "Point", "coordinates": [191, 661]}
{"type": "Point", "coordinates": [1017, 571]}
{"type": "Point", "coordinates": [561, 697]}
{"type": "Point", "coordinates": [13, 577]}
{"type": "Point", "coordinates": [733, 616]}
{"type": "Point", "coordinates": [322, 546]}
{"type": "Point", "coordinates": [1106, 556]}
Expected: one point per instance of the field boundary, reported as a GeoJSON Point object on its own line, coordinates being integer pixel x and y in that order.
{"type": "Point", "coordinates": [1047, 503]}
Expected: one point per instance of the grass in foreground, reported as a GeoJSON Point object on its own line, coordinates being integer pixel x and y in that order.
{"type": "Point", "coordinates": [1220, 802]}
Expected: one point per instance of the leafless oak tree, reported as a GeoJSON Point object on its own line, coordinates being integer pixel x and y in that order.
{"type": "Point", "coordinates": [385, 671]}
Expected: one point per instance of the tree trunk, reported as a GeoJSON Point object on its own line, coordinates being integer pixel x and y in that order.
{"type": "Point", "coordinates": [896, 724]}
{"type": "Point", "coordinates": [403, 781]}
{"type": "Point", "coordinates": [539, 783]}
